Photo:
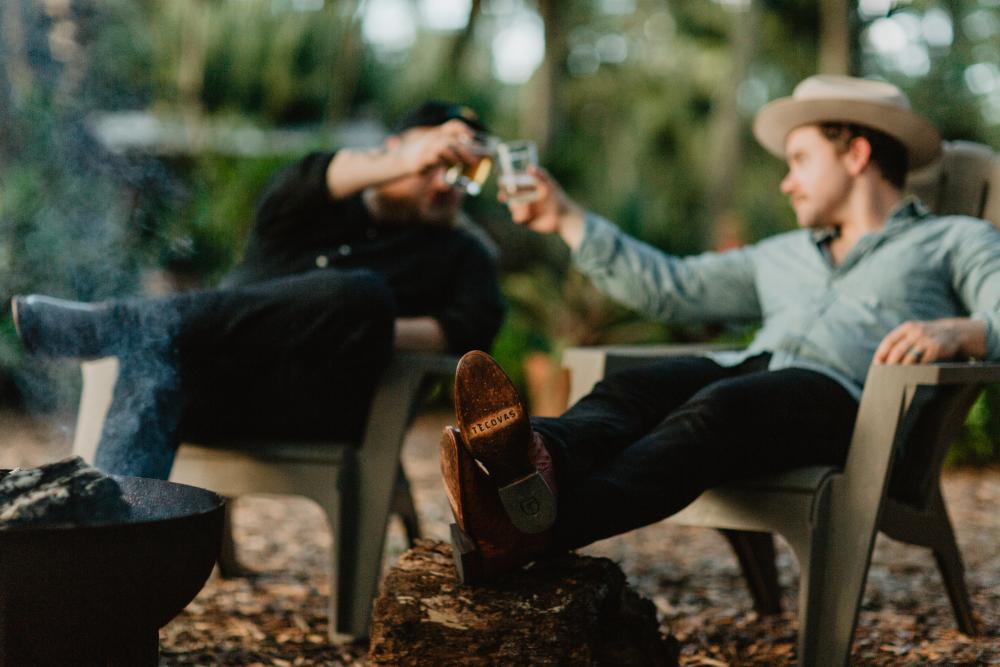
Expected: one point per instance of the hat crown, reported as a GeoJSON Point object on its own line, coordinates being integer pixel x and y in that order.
{"type": "Point", "coordinates": [834, 87]}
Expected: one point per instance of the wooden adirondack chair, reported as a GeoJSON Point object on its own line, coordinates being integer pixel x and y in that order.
{"type": "Point", "coordinates": [908, 417]}
{"type": "Point", "coordinates": [356, 485]}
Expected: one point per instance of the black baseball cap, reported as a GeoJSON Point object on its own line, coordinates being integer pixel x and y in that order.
{"type": "Point", "coordinates": [436, 112]}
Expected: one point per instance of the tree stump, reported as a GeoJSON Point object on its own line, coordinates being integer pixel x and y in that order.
{"type": "Point", "coordinates": [569, 610]}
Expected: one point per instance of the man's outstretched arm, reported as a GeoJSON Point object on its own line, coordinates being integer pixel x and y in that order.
{"type": "Point", "coordinates": [353, 170]}
{"type": "Point", "coordinates": [710, 287]}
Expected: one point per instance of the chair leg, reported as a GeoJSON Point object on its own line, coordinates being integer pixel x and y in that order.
{"type": "Point", "coordinates": [949, 562]}
{"type": "Point", "coordinates": [830, 594]}
{"type": "Point", "coordinates": [755, 552]}
{"type": "Point", "coordinates": [230, 566]}
{"type": "Point", "coordinates": [404, 507]}
{"type": "Point", "coordinates": [931, 528]}
{"type": "Point", "coordinates": [821, 640]}
{"type": "Point", "coordinates": [346, 529]}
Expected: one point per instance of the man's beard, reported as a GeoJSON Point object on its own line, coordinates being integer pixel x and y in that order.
{"type": "Point", "coordinates": [438, 212]}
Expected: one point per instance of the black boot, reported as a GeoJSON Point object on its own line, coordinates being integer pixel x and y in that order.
{"type": "Point", "coordinates": [59, 328]}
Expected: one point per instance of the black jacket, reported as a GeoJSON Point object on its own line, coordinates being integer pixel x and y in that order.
{"type": "Point", "coordinates": [448, 274]}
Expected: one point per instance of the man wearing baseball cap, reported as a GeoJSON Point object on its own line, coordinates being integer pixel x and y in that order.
{"type": "Point", "coordinates": [871, 277]}
{"type": "Point", "coordinates": [351, 254]}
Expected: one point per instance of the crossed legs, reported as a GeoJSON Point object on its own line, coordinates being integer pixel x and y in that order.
{"type": "Point", "coordinates": [685, 425]}
{"type": "Point", "coordinates": [647, 441]}
{"type": "Point", "coordinates": [293, 357]}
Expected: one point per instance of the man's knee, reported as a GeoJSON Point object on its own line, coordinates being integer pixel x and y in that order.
{"type": "Point", "coordinates": [680, 376]}
{"type": "Point", "coordinates": [715, 412]}
{"type": "Point", "coordinates": [357, 288]}
{"type": "Point", "coordinates": [361, 298]}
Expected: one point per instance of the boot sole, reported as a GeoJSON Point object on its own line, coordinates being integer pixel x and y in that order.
{"type": "Point", "coordinates": [495, 429]}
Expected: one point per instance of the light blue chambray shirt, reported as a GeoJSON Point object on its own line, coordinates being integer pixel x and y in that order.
{"type": "Point", "coordinates": [815, 315]}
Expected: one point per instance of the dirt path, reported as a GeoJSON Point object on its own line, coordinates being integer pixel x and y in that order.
{"type": "Point", "coordinates": [279, 618]}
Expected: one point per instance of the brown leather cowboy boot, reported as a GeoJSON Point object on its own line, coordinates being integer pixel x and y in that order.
{"type": "Point", "coordinates": [494, 424]}
{"type": "Point", "coordinates": [485, 543]}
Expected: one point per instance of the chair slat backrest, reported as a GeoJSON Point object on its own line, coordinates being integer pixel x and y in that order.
{"type": "Point", "coordinates": [965, 181]}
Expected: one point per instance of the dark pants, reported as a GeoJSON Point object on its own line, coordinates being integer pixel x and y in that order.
{"type": "Point", "coordinates": [647, 441]}
{"type": "Point", "coordinates": [297, 357]}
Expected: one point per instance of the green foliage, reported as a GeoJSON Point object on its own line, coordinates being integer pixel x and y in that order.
{"type": "Point", "coordinates": [979, 442]}
{"type": "Point", "coordinates": [632, 134]}
{"type": "Point", "coordinates": [203, 238]}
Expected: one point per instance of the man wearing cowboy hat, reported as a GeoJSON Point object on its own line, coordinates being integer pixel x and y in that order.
{"type": "Point", "coordinates": [872, 276]}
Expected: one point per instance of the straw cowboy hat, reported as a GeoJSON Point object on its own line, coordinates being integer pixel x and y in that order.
{"type": "Point", "coordinates": [828, 98]}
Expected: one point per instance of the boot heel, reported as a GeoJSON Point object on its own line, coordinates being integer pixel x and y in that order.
{"type": "Point", "coordinates": [530, 503]}
{"type": "Point", "coordinates": [468, 559]}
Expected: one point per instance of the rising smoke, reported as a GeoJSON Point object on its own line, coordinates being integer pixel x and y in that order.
{"type": "Point", "coordinates": [76, 221]}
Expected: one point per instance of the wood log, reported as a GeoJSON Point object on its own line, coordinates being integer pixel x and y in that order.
{"type": "Point", "coordinates": [67, 491]}
{"type": "Point", "coordinates": [567, 610]}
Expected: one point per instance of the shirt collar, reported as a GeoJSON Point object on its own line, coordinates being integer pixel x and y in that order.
{"type": "Point", "coordinates": [908, 209]}
{"type": "Point", "coordinates": [823, 235]}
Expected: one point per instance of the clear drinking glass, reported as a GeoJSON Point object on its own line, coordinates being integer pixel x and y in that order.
{"type": "Point", "coordinates": [516, 157]}
{"type": "Point", "coordinates": [470, 177]}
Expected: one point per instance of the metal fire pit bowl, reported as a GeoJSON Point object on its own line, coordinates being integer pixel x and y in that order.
{"type": "Point", "coordinates": [98, 594]}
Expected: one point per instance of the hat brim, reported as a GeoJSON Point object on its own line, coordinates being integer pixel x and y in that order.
{"type": "Point", "coordinates": [916, 133]}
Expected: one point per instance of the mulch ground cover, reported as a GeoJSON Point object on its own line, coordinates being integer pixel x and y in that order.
{"type": "Point", "coordinates": [279, 617]}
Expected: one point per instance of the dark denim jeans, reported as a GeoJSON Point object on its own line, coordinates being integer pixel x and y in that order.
{"type": "Point", "coordinates": [647, 441]}
{"type": "Point", "coordinates": [297, 357]}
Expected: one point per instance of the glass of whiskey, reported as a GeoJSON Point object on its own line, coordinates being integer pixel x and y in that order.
{"type": "Point", "coordinates": [471, 177]}
{"type": "Point", "coordinates": [516, 180]}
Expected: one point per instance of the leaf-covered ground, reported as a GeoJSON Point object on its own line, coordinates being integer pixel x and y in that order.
{"type": "Point", "coordinates": [279, 618]}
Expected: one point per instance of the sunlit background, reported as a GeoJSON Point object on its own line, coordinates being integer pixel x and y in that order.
{"type": "Point", "coordinates": [136, 134]}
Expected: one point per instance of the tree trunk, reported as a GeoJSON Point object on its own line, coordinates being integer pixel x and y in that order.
{"type": "Point", "coordinates": [345, 69]}
{"type": "Point", "coordinates": [569, 610]}
{"type": "Point", "coordinates": [456, 54]}
{"type": "Point", "coordinates": [16, 65]}
{"type": "Point", "coordinates": [540, 106]}
{"type": "Point", "coordinates": [191, 68]}
{"type": "Point", "coordinates": [727, 130]}
{"type": "Point", "coordinates": [834, 37]}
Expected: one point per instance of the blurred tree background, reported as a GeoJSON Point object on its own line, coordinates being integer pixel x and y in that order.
{"type": "Point", "coordinates": [136, 134]}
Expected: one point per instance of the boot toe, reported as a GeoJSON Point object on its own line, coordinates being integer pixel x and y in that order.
{"type": "Point", "coordinates": [54, 327]}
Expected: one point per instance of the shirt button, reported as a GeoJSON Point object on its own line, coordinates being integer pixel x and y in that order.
{"type": "Point", "coordinates": [322, 261]}
{"type": "Point", "coordinates": [344, 250]}
{"type": "Point", "coordinates": [371, 233]}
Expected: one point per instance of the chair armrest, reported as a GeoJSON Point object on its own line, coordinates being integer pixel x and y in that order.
{"type": "Point", "coordinates": [976, 372]}
{"type": "Point", "coordinates": [399, 385]}
{"type": "Point", "coordinates": [588, 365]}
{"type": "Point", "coordinates": [888, 393]}
{"type": "Point", "coordinates": [406, 373]}
{"type": "Point", "coordinates": [395, 397]}
{"type": "Point", "coordinates": [429, 364]}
